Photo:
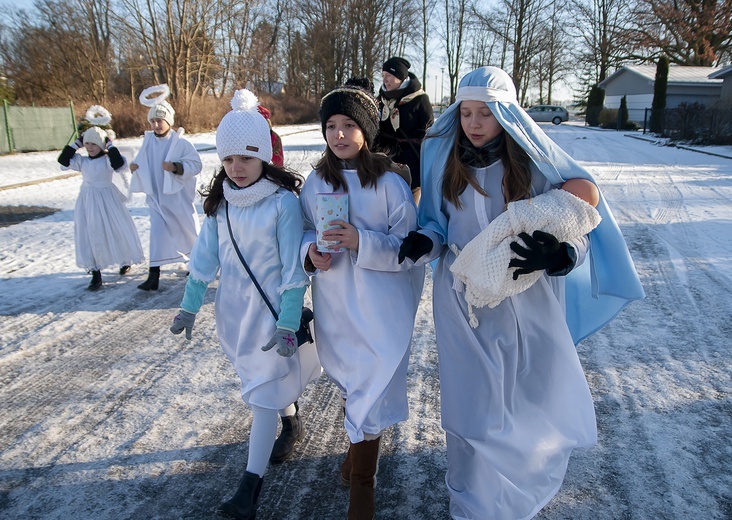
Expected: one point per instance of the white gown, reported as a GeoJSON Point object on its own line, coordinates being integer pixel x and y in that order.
{"type": "Point", "coordinates": [366, 302]}
{"type": "Point", "coordinates": [515, 401]}
{"type": "Point", "coordinates": [174, 221]}
{"type": "Point", "coordinates": [268, 235]}
{"type": "Point", "coordinates": [104, 233]}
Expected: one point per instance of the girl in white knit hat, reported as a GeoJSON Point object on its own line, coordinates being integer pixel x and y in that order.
{"type": "Point", "coordinates": [165, 170]}
{"type": "Point", "coordinates": [515, 401]}
{"type": "Point", "coordinates": [252, 209]}
{"type": "Point", "coordinates": [104, 233]}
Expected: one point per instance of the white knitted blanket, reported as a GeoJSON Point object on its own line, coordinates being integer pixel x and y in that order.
{"type": "Point", "coordinates": [481, 268]}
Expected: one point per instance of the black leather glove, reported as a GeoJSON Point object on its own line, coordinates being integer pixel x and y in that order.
{"type": "Point", "coordinates": [414, 246]}
{"type": "Point", "coordinates": [542, 252]}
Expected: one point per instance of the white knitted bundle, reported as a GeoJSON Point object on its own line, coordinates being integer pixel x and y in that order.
{"type": "Point", "coordinates": [482, 266]}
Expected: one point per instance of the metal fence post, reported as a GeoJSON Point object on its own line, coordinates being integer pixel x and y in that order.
{"type": "Point", "coordinates": [74, 129]}
{"type": "Point", "coordinates": [11, 145]}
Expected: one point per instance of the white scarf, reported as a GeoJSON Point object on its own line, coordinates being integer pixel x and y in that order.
{"type": "Point", "coordinates": [250, 195]}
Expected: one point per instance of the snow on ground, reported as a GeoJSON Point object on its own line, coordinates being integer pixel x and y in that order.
{"type": "Point", "coordinates": [107, 415]}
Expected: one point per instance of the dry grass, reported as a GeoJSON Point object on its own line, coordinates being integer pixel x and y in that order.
{"type": "Point", "coordinates": [129, 119]}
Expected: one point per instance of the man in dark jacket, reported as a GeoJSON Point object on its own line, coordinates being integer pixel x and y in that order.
{"type": "Point", "coordinates": [406, 114]}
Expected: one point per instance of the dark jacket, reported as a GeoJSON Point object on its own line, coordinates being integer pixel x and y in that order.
{"type": "Point", "coordinates": [409, 109]}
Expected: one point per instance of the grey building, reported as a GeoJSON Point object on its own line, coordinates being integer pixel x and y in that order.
{"type": "Point", "coordinates": [685, 85]}
{"type": "Point", "coordinates": [725, 75]}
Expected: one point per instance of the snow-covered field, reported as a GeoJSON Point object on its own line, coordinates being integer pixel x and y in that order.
{"type": "Point", "coordinates": [106, 415]}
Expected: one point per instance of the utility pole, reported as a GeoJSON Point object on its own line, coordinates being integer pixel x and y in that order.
{"type": "Point", "coordinates": [442, 86]}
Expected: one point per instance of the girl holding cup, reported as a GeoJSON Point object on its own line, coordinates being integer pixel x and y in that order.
{"type": "Point", "coordinates": [364, 301]}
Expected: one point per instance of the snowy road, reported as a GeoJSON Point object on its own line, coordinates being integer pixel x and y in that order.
{"type": "Point", "coordinates": [107, 415]}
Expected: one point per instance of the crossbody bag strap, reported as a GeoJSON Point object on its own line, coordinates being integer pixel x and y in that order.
{"type": "Point", "coordinates": [246, 266]}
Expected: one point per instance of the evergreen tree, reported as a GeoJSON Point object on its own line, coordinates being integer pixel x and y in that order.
{"type": "Point", "coordinates": [595, 101]}
{"type": "Point", "coordinates": [659, 95]}
{"type": "Point", "coordinates": [623, 112]}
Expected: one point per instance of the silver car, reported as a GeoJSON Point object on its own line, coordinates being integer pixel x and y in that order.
{"type": "Point", "coordinates": [546, 113]}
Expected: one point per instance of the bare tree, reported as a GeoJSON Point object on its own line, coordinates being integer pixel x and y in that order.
{"type": "Point", "coordinates": [427, 10]}
{"type": "Point", "coordinates": [57, 56]}
{"type": "Point", "coordinates": [553, 44]}
{"type": "Point", "coordinates": [689, 32]}
{"type": "Point", "coordinates": [455, 12]}
{"type": "Point", "coordinates": [601, 29]}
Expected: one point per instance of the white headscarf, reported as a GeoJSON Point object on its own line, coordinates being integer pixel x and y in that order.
{"type": "Point", "coordinates": [596, 290]}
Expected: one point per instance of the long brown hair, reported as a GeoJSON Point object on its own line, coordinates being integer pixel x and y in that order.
{"type": "Point", "coordinates": [370, 167]}
{"type": "Point", "coordinates": [214, 194]}
{"type": "Point", "coordinates": [516, 174]}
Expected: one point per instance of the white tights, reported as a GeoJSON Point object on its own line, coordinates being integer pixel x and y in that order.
{"type": "Point", "coordinates": [261, 439]}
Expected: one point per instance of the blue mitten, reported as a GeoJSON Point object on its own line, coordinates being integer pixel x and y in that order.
{"type": "Point", "coordinates": [183, 320]}
{"type": "Point", "coordinates": [285, 340]}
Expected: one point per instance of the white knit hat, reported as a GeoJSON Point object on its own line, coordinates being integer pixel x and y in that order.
{"type": "Point", "coordinates": [163, 111]}
{"type": "Point", "coordinates": [244, 131]}
{"type": "Point", "coordinates": [95, 135]}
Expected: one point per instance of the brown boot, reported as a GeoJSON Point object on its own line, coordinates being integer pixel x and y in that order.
{"type": "Point", "coordinates": [346, 469]}
{"type": "Point", "coordinates": [364, 463]}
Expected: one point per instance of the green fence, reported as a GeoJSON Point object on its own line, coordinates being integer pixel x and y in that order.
{"type": "Point", "coordinates": [34, 129]}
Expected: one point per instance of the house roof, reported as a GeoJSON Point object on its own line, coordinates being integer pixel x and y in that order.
{"type": "Point", "coordinates": [677, 74]}
{"type": "Point", "coordinates": [726, 72]}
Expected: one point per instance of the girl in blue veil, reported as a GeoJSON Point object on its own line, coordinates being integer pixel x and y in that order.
{"type": "Point", "coordinates": [515, 402]}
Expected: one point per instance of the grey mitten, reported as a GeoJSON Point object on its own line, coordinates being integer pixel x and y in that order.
{"type": "Point", "coordinates": [79, 143]}
{"type": "Point", "coordinates": [285, 340]}
{"type": "Point", "coordinates": [183, 320]}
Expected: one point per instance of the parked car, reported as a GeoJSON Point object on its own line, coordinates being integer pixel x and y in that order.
{"type": "Point", "coordinates": [546, 113]}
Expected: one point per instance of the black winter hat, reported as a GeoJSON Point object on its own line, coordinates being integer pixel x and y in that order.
{"type": "Point", "coordinates": [354, 101]}
{"type": "Point", "coordinates": [397, 67]}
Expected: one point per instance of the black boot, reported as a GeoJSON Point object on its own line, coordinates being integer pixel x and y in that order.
{"type": "Point", "coordinates": [124, 270]}
{"type": "Point", "coordinates": [96, 281]}
{"type": "Point", "coordinates": [151, 284]}
{"type": "Point", "coordinates": [292, 431]}
{"type": "Point", "coordinates": [243, 505]}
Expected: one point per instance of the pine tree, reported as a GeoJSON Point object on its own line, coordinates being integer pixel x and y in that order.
{"type": "Point", "coordinates": [623, 112]}
{"type": "Point", "coordinates": [660, 85]}
{"type": "Point", "coordinates": [595, 101]}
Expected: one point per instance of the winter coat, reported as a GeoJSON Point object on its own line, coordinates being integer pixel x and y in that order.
{"type": "Point", "coordinates": [405, 114]}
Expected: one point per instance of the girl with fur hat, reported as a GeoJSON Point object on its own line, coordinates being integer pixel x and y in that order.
{"type": "Point", "coordinates": [405, 114]}
{"type": "Point", "coordinates": [165, 170]}
{"type": "Point", "coordinates": [104, 233]}
{"type": "Point", "coordinates": [514, 398]}
{"type": "Point", "coordinates": [251, 207]}
{"type": "Point", "coordinates": [364, 301]}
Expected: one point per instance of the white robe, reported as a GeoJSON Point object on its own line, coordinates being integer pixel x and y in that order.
{"type": "Point", "coordinates": [268, 235]}
{"type": "Point", "coordinates": [515, 401]}
{"type": "Point", "coordinates": [174, 221]}
{"type": "Point", "coordinates": [104, 233]}
{"type": "Point", "coordinates": [366, 302]}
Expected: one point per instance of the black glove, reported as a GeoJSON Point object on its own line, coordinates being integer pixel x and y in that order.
{"type": "Point", "coordinates": [66, 155]}
{"type": "Point", "coordinates": [542, 252]}
{"type": "Point", "coordinates": [115, 158]}
{"type": "Point", "coordinates": [414, 246]}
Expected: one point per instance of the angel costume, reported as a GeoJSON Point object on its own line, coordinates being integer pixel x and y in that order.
{"type": "Point", "coordinates": [366, 302]}
{"type": "Point", "coordinates": [174, 221]}
{"type": "Point", "coordinates": [104, 233]}
{"type": "Point", "coordinates": [267, 226]}
{"type": "Point", "coordinates": [515, 401]}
